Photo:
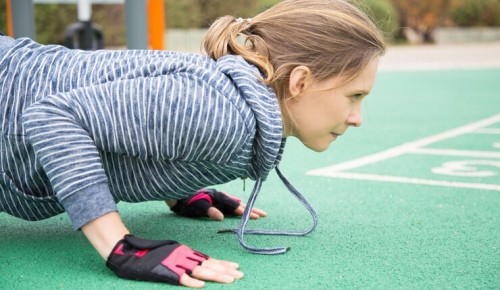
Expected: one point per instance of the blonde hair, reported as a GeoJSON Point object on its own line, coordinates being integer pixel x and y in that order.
{"type": "Point", "coordinates": [331, 37]}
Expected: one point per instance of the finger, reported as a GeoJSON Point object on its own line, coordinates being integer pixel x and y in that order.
{"type": "Point", "coordinates": [259, 212]}
{"type": "Point", "coordinates": [254, 214]}
{"type": "Point", "coordinates": [191, 282]}
{"type": "Point", "coordinates": [206, 274]}
{"type": "Point", "coordinates": [224, 263]}
{"type": "Point", "coordinates": [241, 209]}
{"type": "Point", "coordinates": [215, 214]}
{"type": "Point", "coordinates": [221, 268]}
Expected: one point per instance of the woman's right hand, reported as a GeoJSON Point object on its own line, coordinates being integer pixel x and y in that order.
{"type": "Point", "coordinates": [108, 232]}
{"type": "Point", "coordinates": [168, 261]}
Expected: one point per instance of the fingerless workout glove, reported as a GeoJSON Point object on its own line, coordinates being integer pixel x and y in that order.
{"type": "Point", "coordinates": [197, 205]}
{"type": "Point", "coordinates": [148, 260]}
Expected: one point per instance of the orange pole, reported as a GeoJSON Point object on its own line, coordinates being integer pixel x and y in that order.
{"type": "Point", "coordinates": [10, 29]}
{"type": "Point", "coordinates": [156, 24]}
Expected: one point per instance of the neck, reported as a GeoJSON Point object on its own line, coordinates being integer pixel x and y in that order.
{"type": "Point", "coordinates": [287, 124]}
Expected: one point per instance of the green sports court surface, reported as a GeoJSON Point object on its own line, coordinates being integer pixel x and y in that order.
{"type": "Point", "coordinates": [411, 200]}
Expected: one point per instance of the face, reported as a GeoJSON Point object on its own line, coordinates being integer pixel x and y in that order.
{"type": "Point", "coordinates": [321, 111]}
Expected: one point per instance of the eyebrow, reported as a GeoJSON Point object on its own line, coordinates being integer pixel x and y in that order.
{"type": "Point", "coordinates": [360, 92]}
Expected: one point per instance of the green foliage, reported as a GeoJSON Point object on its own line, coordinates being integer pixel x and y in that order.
{"type": "Point", "coordinates": [201, 13]}
{"type": "Point", "coordinates": [384, 15]}
{"type": "Point", "coordinates": [183, 14]}
{"type": "Point", "coordinates": [265, 4]}
{"type": "Point", "coordinates": [51, 21]}
{"type": "Point", "coordinates": [476, 12]}
{"type": "Point", "coordinates": [3, 17]}
{"type": "Point", "coordinates": [111, 19]}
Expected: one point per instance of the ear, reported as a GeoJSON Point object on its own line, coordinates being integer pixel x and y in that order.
{"type": "Point", "coordinates": [298, 80]}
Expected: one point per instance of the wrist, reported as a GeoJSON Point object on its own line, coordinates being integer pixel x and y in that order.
{"type": "Point", "coordinates": [105, 232]}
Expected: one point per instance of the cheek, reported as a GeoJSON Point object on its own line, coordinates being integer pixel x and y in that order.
{"type": "Point", "coordinates": [321, 119]}
{"type": "Point", "coordinates": [342, 110]}
{"type": "Point", "coordinates": [333, 113]}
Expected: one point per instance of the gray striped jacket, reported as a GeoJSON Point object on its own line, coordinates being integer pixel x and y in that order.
{"type": "Point", "coordinates": [82, 130]}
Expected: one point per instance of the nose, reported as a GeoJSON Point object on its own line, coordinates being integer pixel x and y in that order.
{"type": "Point", "coordinates": [355, 119]}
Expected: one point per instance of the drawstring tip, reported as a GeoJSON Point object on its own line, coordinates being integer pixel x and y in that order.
{"type": "Point", "coordinates": [226, 231]}
{"type": "Point", "coordinates": [267, 251]}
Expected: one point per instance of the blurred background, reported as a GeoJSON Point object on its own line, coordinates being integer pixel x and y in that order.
{"type": "Point", "coordinates": [403, 21]}
{"type": "Point", "coordinates": [441, 74]}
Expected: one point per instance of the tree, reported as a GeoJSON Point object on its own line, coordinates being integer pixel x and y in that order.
{"type": "Point", "coordinates": [183, 14]}
{"type": "Point", "coordinates": [212, 9]}
{"type": "Point", "coordinates": [475, 13]}
{"type": "Point", "coordinates": [384, 15]}
{"type": "Point", "coordinates": [201, 13]}
{"type": "Point", "coordinates": [423, 16]}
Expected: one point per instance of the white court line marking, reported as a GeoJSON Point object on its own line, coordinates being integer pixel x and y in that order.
{"type": "Point", "coordinates": [493, 131]}
{"type": "Point", "coordinates": [397, 179]}
{"type": "Point", "coordinates": [334, 170]}
{"type": "Point", "coordinates": [450, 152]}
{"type": "Point", "coordinates": [407, 147]}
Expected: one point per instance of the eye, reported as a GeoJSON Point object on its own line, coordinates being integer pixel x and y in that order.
{"type": "Point", "coordinates": [357, 97]}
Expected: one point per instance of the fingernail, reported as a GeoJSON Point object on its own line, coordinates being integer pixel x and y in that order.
{"type": "Point", "coordinates": [228, 279]}
{"type": "Point", "coordinates": [201, 285]}
{"type": "Point", "coordinates": [237, 274]}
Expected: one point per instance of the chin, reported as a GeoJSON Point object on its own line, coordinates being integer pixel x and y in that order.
{"type": "Point", "coordinates": [316, 144]}
{"type": "Point", "coordinates": [317, 147]}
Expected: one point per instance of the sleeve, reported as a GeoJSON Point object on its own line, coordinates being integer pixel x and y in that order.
{"type": "Point", "coordinates": [173, 117]}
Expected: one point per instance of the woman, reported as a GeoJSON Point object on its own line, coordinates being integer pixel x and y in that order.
{"type": "Point", "coordinates": [83, 130]}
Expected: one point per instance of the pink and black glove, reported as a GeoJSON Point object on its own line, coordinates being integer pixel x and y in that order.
{"type": "Point", "coordinates": [148, 260]}
{"type": "Point", "coordinates": [197, 205]}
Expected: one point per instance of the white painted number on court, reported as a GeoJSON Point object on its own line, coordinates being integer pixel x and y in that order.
{"type": "Point", "coordinates": [468, 168]}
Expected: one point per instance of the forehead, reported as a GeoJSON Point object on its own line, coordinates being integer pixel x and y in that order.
{"type": "Point", "coordinates": [362, 82]}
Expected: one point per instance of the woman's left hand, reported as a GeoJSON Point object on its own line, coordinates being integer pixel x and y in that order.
{"type": "Point", "coordinates": [213, 204]}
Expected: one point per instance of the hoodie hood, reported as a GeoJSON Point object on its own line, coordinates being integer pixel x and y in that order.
{"type": "Point", "coordinates": [269, 142]}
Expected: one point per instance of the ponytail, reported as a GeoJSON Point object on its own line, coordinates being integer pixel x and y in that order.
{"type": "Point", "coordinates": [331, 37]}
{"type": "Point", "coordinates": [228, 35]}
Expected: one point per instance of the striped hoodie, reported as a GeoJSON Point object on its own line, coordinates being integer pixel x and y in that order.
{"type": "Point", "coordinates": [82, 130]}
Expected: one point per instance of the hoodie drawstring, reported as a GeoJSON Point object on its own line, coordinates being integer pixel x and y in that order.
{"type": "Point", "coordinates": [246, 215]}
